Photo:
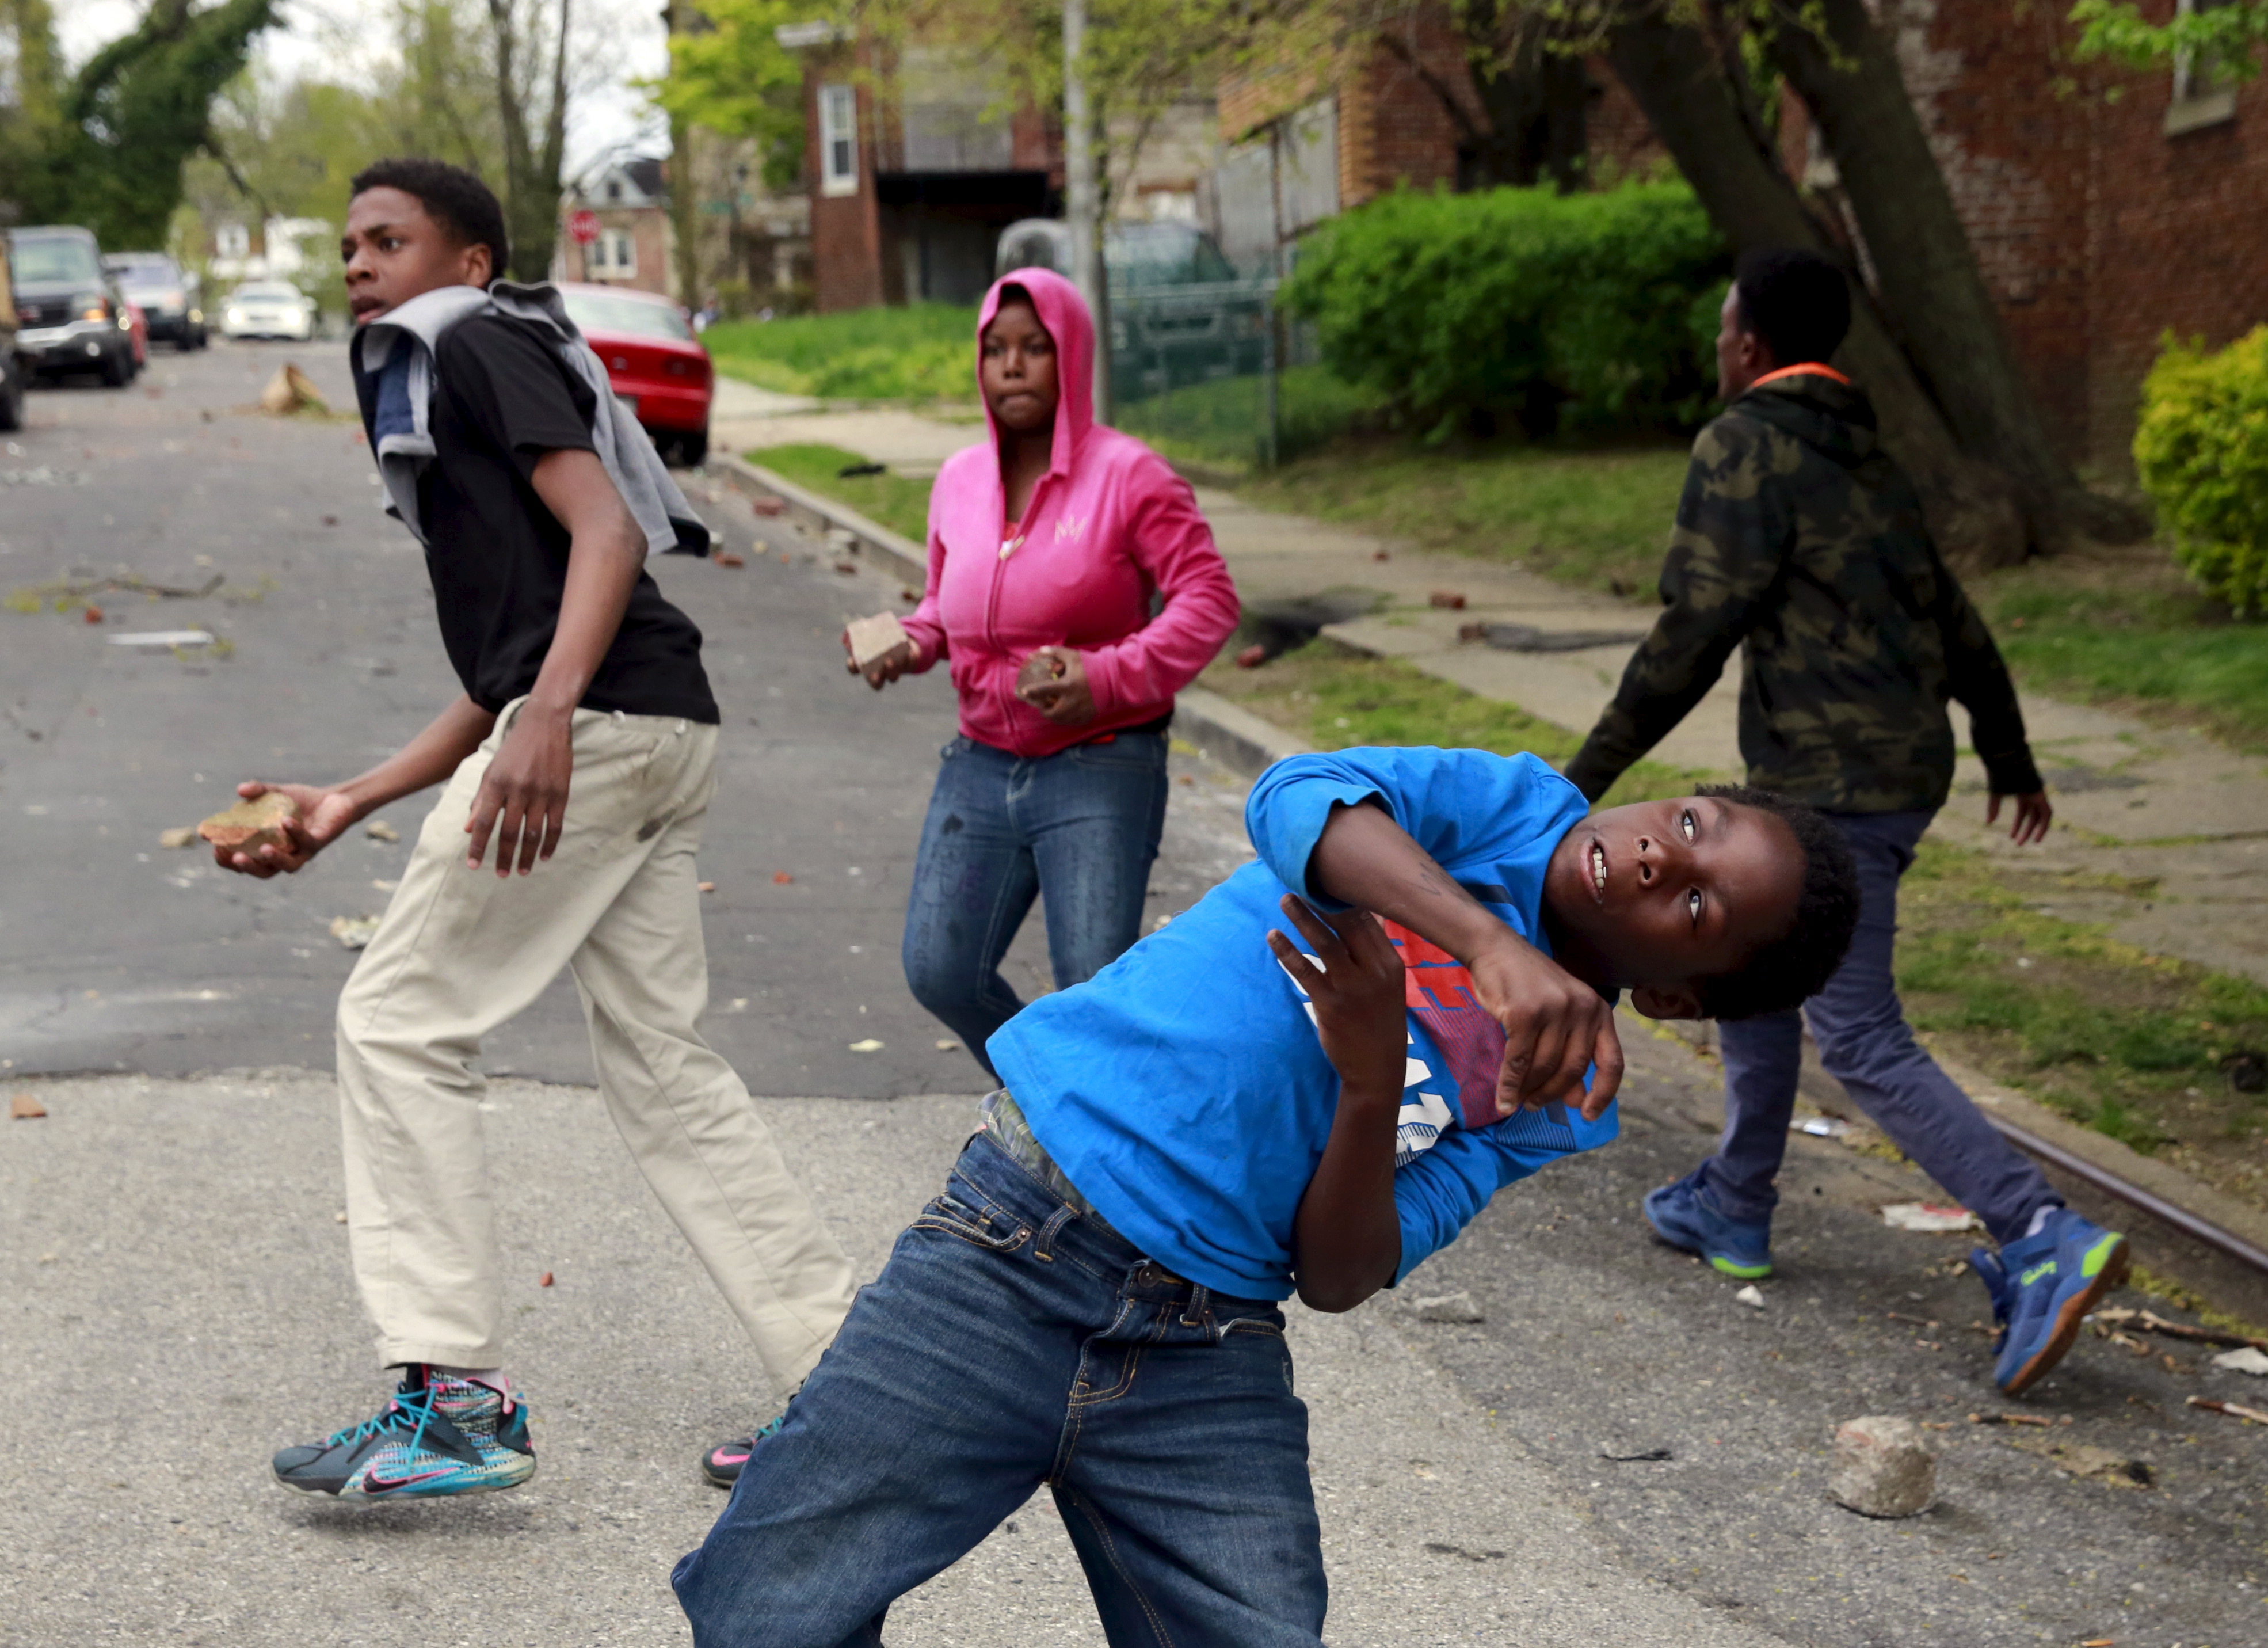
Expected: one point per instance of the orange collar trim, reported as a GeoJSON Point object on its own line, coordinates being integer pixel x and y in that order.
{"type": "Point", "coordinates": [1809, 369]}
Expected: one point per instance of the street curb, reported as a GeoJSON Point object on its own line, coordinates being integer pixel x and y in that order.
{"type": "Point", "coordinates": [1237, 739]}
{"type": "Point", "coordinates": [896, 553]}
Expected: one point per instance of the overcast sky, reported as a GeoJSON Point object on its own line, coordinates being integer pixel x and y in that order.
{"type": "Point", "coordinates": [308, 44]}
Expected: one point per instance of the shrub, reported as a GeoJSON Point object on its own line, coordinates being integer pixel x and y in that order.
{"type": "Point", "coordinates": [921, 351]}
{"type": "Point", "coordinates": [1521, 302]}
{"type": "Point", "coordinates": [2202, 454]}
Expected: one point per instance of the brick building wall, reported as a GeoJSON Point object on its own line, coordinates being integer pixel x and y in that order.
{"type": "Point", "coordinates": [846, 232]}
{"type": "Point", "coordinates": [2098, 228]}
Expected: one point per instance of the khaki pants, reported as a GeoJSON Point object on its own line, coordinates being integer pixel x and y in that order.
{"type": "Point", "coordinates": [458, 952]}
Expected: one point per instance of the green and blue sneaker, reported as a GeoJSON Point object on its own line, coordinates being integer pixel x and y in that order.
{"type": "Point", "coordinates": [2043, 1287]}
{"type": "Point", "coordinates": [440, 1436]}
{"type": "Point", "coordinates": [1685, 1214]}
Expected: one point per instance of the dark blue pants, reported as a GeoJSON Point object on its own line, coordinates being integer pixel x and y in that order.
{"type": "Point", "coordinates": [1079, 829]}
{"type": "Point", "coordinates": [1007, 1343]}
{"type": "Point", "coordinates": [1867, 1045]}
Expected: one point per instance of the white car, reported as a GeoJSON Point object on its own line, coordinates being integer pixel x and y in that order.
{"type": "Point", "coordinates": [268, 309]}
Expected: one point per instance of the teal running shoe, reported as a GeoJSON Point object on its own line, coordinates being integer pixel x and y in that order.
{"type": "Point", "coordinates": [438, 1436]}
{"type": "Point", "coordinates": [2043, 1287]}
{"type": "Point", "coordinates": [1684, 1215]}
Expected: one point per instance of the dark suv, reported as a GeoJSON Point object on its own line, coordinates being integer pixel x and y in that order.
{"type": "Point", "coordinates": [11, 367]}
{"type": "Point", "coordinates": [154, 284]}
{"type": "Point", "coordinates": [70, 314]}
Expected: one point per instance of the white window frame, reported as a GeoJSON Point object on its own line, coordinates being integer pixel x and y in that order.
{"type": "Point", "coordinates": [614, 253]}
{"type": "Point", "coordinates": [838, 140]}
{"type": "Point", "coordinates": [2200, 97]}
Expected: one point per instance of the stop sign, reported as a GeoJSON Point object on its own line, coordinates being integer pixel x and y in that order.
{"type": "Point", "coordinates": [584, 225]}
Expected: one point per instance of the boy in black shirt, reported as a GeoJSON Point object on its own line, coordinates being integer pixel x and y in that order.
{"type": "Point", "coordinates": [537, 505]}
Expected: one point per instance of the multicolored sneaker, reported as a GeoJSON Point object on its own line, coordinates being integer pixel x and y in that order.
{"type": "Point", "coordinates": [2043, 1287]}
{"type": "Point", "coordinates": [723, 1464]}
{"type": "Point", "coordinates": [1684, 1215]}
{"type": "Point", "coordinates": [438, 1436]}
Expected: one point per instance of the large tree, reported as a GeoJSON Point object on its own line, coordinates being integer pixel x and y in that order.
{"type": "Point", "coordinates": [105, 147]}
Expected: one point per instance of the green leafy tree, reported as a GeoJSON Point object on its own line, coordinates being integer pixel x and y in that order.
{"type": "Point", "coordinates": [124, 126]}
{"type": "Point", "coordinates": [729, 73]}
{"type": "Point", "coordinates": [2228, 36]}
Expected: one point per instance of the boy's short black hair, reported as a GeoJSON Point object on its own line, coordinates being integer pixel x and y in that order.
{"type": "Point", "coordinates": [1798, 302]}
{"type": "Point", "coordinates": [1795, 966]}
{"type": "Point", "coordinates": [465, 207]}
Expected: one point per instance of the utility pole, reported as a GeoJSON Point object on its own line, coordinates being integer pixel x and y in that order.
{"type": "Point", "coordinates": [1083, 199]}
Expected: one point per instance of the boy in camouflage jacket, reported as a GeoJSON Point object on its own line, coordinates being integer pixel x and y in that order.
{"type": "Point", "coordinates": [1799, 540]}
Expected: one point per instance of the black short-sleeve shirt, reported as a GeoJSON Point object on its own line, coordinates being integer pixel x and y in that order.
{"type": "Point", "coordinates": [498, 556]}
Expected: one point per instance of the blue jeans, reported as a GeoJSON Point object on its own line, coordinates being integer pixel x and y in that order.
{"type": "Point", "coordinates": [1010, 1342]}
{"type": "Point", "coordinates": [1867, 1045]}
{"type": "Point", "coordinates": [1079, 827]}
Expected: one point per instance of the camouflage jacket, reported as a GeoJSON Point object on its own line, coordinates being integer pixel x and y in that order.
{"type": "Point", "coordinates": [1799, 541]}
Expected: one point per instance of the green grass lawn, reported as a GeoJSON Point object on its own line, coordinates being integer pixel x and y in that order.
{"type": "Point", "coordinates": [894, 502]}
{"type": "Point", "coordinates": [1595, 517]}
{"type": "Point", "coordinates": [922, 351]}
{"type": "Point", "coordinates": [1337, 698]}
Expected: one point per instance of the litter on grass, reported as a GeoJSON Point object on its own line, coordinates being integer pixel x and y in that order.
{"type": "Point", "coordinates": [1929, 1216]}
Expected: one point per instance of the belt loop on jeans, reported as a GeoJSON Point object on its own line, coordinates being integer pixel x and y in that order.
{"type": "Point", "coordinates": [1048, 1232]}
{"type": "Point", "coordinates": [1200, 1306]}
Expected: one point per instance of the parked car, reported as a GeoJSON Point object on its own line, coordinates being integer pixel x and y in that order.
{"type": "Point", "coordinates": [168, 298]}
{"type": "Point", "coordinates": [268, 308]}
{"type": "Point", "coordinates": [1179, 312]}
{"type": "Point", "coordinates": [70, 316]}
{"type": "Point", "coordinates": [657, 366]}
{"type": "Point", "coordinates": [11, 367]}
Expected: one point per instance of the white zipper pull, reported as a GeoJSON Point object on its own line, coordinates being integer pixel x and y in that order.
{"type": "Point", "coordinates": [1012, 546]}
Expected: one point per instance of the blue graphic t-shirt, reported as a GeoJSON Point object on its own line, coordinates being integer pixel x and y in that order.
{"type": "Point", "coordinates": [1183, 1089]}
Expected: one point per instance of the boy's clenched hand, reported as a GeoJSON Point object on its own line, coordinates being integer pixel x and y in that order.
{"type": "Point", "coordinates": [323, 814]}
{"type": "Point", "coordinates": [1555, 1026]}
{"type": "Point", "coordinates": [1358, 992]}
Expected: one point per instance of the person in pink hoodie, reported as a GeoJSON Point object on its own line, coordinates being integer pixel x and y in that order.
{"type": "Point", "coordinates": [1050, 546]}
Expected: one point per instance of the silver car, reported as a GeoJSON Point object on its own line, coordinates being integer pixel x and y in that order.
{"type": "Point", "coordinates": [167, 298]}
{"type": "Point", "coordinates": [268, 309]}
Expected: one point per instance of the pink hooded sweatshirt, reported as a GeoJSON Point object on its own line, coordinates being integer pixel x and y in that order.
{"type": "Point", "coordinates": [1108, 524]}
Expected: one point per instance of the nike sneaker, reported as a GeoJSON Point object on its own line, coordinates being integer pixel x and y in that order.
{"type": "Point", "coordinates": [2043, 1287]}
{"type": "Point", "coordinates": [438, 1436]}
{"type": "Point", "coordinates": [1685, 1214]}
{"type": "Point", "coordinates": [723, 1464]}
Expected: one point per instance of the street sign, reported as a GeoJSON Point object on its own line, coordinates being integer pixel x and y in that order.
{"type": "Point", "coordinates": [584, 225]}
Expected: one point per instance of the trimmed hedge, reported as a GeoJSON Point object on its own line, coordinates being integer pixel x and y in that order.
{"type": "Point", "coordinates": [2202, 453]}
{"type": "Point", "coordinates": [1523, 302]}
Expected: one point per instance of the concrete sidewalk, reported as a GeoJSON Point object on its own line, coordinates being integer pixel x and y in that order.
{"type": "Point", "coordinates": [2140, 803]}
{"type": "Point", "coordinates": [180, 1305]}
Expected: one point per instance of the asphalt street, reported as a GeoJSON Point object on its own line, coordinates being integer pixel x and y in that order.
{"type": "Point", "coordinates": [1618, 1451]}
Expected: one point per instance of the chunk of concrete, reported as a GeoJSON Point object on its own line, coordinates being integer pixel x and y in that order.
{"type": "Point", "coordinates": [1448, 1307]}
{"type": "Point", "coordinates": [252, 825]}
{"type": "Point", "coordinates": [1884, 1467]}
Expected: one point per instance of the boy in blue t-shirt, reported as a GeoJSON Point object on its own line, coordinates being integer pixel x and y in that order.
{"type": "Point", "coordinates": [1203, 1128]}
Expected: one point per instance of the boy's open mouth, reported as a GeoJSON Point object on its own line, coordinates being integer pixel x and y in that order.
{"type": "Point", "coordinates": [1598, 862]}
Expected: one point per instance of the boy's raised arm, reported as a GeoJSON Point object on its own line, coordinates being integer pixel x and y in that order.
{"type": "Point", "coordinates": [1556, 1026]}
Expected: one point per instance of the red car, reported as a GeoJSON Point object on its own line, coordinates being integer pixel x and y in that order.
{"type": "Point", "coordinates": [653, 360]}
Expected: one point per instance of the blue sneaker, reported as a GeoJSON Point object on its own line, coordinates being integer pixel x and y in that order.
{"type": "Point", "coordinates": [438, 1436]}
{"type": "Point", "coordinates": [2043, 1287]}
{"type": "Point", "coordinates": [1684, 1215]}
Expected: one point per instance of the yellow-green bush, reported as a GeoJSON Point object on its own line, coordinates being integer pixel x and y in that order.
{"type": "Point", "coordinates": [2202, 454]}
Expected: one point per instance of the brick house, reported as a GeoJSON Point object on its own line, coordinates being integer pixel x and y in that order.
{"type": "Point", "coordinates": [910, 187]}
{"type": "Point", "coordinates": [636, 246]}
{"type": "Point", "coordinates": [2106, 207]}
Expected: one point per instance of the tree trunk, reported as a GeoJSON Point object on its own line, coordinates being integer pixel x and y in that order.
{"type": "Point", "coordinates": [1536, 100]}
{"type": "Point", "coordinates": [1931, 289]}
{"type": "Point", "coordinates": [543, 204]}
{"type": "Point", "coordinates": [1676, 74]}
